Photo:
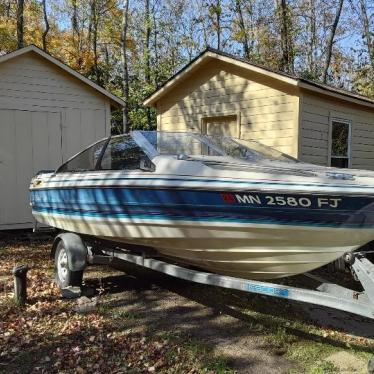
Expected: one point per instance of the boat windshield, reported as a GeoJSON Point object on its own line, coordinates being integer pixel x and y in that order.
{"type": "Point", "coordinates": [193, 145]}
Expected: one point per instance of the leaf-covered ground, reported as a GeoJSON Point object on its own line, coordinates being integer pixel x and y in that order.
{"type": "Point", "coordinates": [47, 336]}
{"type": "Point", "coordinates": [147, 322]}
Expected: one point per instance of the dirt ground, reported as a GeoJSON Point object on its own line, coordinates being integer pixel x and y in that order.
{"type": "Point", "coordinates": [207, 329]}
{"type": "Point", "coordinates": [161, 303]}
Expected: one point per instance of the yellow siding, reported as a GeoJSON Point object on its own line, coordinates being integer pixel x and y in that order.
{"type": "Point", "coordinates": [293, 120]}
{"type": "Point", "coordinates": [316, 113]}
{"type": "Point", "coordinates": [268, 111]}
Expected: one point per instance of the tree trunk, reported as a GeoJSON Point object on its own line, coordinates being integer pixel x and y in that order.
{"type": "Point", "coordinates": [147, 56]}
{"type": "Point", "coordinates": [248, 6]}
{"type": "Point", "coordinates": [205, 33]}
{"type": "Point", "coordinates": [217, 10]}
{"type": "Point", "coordinates": [286, 43]}
{"type": "Point", "coordinates": [312, 37]}
{"type": "Point", "coordinates": [367, 32]}
{"type": "Point", "coordinates": [8, 7]}
{"type": "Point", "coordinates": [106, 77]}
{"type": "Point", "coordinates": [20, 5]}
{"type": "Point", "coordinates": [125, 74]}
{"type": "Point", "coordinates": [330, 42]}
{"type": "Point", "coordinates": [95, 24]}
{"type": "Point", "coordinates": [155, 48]}
{"type": "Point", "coordinates": [76, 34]}
{"type": "Point", "coordinates": [90, 22]}
{"type": "Point", "coordinates": [46, 30]}
{"type": "Point", "coordinates": [218, 14]}
{"type": "Point", "coordinates": [243, 29]}
{"type": "Point", "coordinates": [74, 18]}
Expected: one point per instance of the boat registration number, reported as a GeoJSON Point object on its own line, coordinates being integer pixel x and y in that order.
{"type": "Point", "coordinates": [283, 200]}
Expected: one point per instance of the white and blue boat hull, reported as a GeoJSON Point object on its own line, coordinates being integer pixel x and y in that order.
{"type": "Point", "coordinates": [246, 227]}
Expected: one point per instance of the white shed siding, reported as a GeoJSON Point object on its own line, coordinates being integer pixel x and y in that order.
{"type": "Point", "coordinates": [316, 113]}
{"type": "Point", "coordinates": [266, 112]}
{"type": "Point", "coordinates": [46, 116]}
{"type": "Point", "coordinates": [29, 141]}
{"type": "Point", "coordinates": [31, 83]}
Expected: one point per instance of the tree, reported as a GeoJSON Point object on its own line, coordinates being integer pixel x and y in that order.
{"type": "Point", "coordinates": [74, 19]}
{"type": "Point", "coordinates": [312, 37]}
{"type": "Point", "coordinates": [368, 34]}
{"type": "Point", "coordinates": [330, 42]}
{"type": "Point", "coordinates": [287, 59]}
{"type": "Point", "coordinates": [46, 30]}
{"type": "Point", "coordinates": [20, 26]}
{"type": "Point", "coordinates": [147, 54]}
{"type": "Point", "coordinates": [94, 23]}
{"type": "Point", "coordinates": [155, 48]}
{"type": "Point", "coordinates": [243, 35]}
{"type": "Point", "coordinates": [125, 77]}
{"type": "Point", "coordinates": [131, 48]}
{"type": "Point", "coordinates": [215, 12]}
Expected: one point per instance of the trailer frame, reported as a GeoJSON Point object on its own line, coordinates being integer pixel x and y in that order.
{"type": "Point", "coordinates": [327, 294]}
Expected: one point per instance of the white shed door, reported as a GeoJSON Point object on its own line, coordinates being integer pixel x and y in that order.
{"type": "Point", "coordinates": [29, 141]}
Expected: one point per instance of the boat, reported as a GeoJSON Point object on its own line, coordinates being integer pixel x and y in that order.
{"type": "Point", "coordinates": [228, 206]}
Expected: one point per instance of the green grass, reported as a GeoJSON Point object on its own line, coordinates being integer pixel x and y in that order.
{"type": "Point", "coordinates": [310, 356]}
{"type": "Point", "coordinates": [106, 309]}
{"type": "Point", "coordinates": [285, 331]}
{"type": "Point", "coordinates": [325, 367]}
{"type": "Point", "coordinates": [210, 362]}
{"type": "Point", "coordinates": [304, 344]}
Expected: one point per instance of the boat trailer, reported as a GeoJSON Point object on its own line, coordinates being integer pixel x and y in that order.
{"type": "Point", "coordinates": [81, 253]}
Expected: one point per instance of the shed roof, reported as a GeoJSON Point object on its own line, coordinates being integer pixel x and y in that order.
{"type": "Point", "coordinates": [32, 48]}
{"type": "Point", "coordinates": [211, 53]}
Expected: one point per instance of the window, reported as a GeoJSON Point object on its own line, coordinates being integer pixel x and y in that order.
{"type": "Point", "coordinates": [226, 125]}
{"type": "Point", "coordinates": [85, 160]}
{"type": "Point", "coordinates": [340, 144]}
{"type": "Point", "coordinates": [122, 153]}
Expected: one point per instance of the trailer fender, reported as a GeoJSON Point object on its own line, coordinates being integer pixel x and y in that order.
{"type": "Point", "coordinates": [76, 249]}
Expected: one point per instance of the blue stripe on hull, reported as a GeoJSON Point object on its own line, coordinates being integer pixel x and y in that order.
{"type": "Point", "coordinates": [187, 205]}
{"type": "Point", "coordinates": [204, 180]}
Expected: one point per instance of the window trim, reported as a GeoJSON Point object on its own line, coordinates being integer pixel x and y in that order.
{"type": "Point", "coordinates": [100, 158]}
{"type": "Point", "coordinates": [98, 166]}
{"type": "Point", "coordinates": [57, 171]}
{"type": "Point", "coordinates": [206, 116]}
{"type": "Point", "coordinates": [349, 156]}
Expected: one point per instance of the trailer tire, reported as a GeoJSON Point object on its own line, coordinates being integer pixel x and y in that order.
{"type": "Point", "coordinates": [63, 275]}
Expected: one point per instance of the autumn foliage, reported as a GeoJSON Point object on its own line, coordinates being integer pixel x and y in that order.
{"type": "Point", "coordinates": [131, 47]}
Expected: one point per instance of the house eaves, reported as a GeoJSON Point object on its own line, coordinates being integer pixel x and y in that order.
{"type": "Point", "coordinates": [289, 79]}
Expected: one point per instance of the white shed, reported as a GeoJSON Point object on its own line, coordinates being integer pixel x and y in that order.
{"type": "Point", "coordinates": [48, 112]}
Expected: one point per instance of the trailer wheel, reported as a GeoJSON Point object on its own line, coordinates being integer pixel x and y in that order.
{"type": "Point", "coordinates": [63, 275]}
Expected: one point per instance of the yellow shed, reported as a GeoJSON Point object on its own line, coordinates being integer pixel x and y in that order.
{"type": "Point", "coordinates": [218, 93]}
{"type": "Point", "coordinates": [48, 112]}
